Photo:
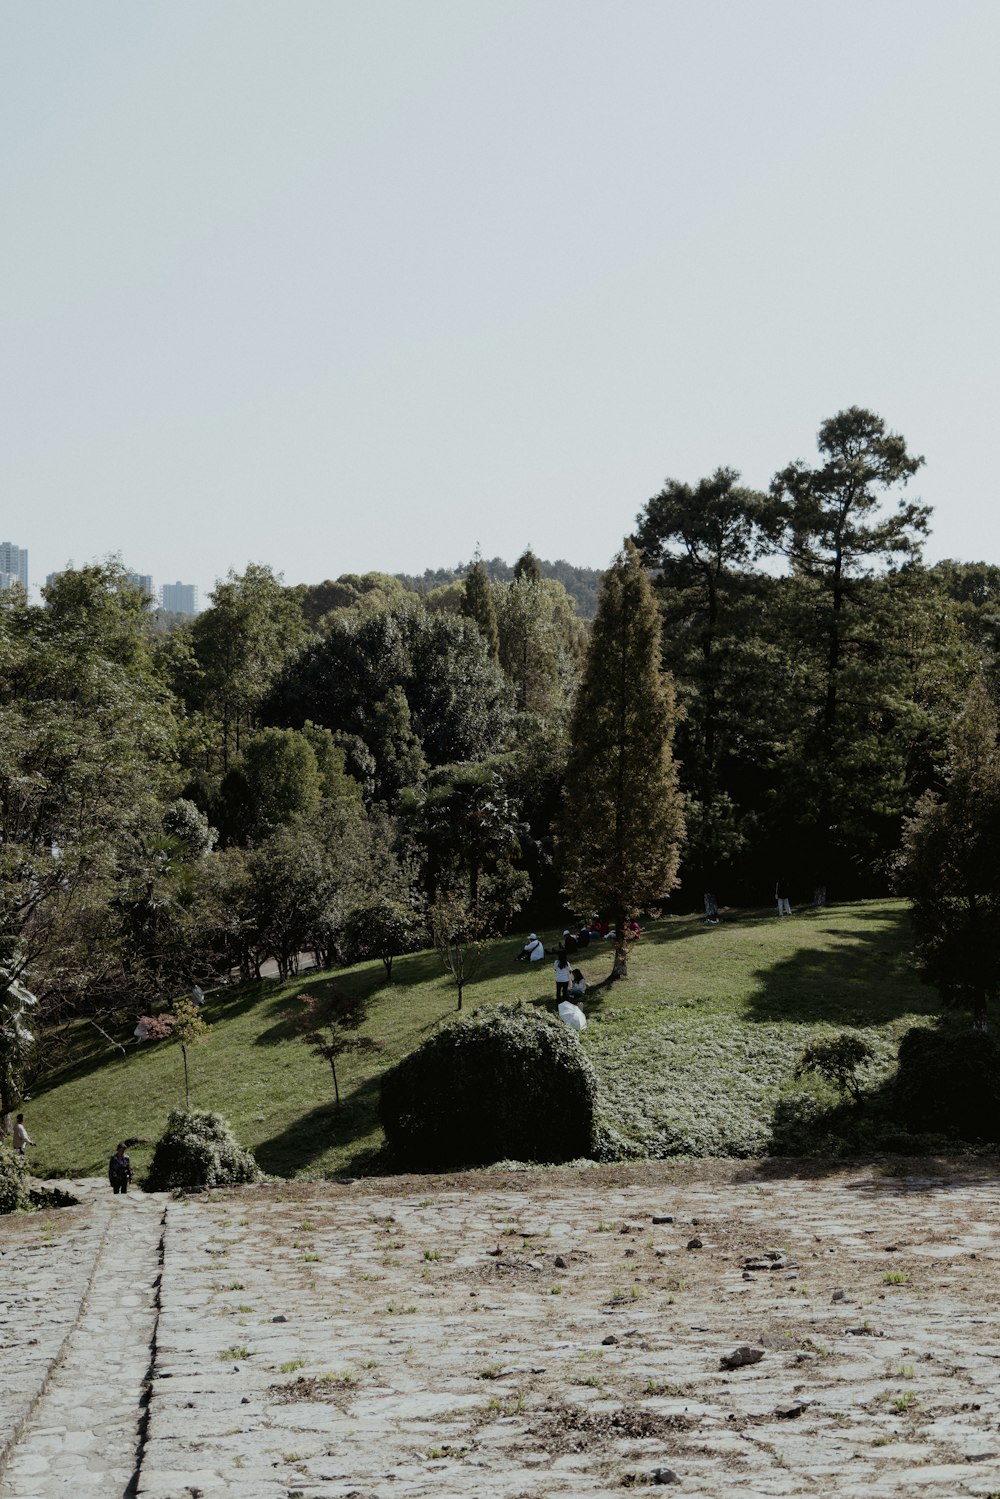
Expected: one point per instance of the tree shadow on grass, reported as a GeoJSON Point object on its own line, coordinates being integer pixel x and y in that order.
{"type": "Point", "coordinates": [855, 978]}
{"type": "Point", "coordinates": [311, 1135]}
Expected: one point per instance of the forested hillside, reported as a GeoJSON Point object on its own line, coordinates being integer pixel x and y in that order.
{"type": "Point", "coordinates": [356, 767]}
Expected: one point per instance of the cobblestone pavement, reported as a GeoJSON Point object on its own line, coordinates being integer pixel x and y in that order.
{"type": "Point", "coordinates": [522, 1336]}
{"type": "Point", "coordinates": [79, 1315]}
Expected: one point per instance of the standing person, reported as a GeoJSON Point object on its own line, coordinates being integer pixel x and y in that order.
{"type": "Point", "coordinates": [119, 1169]}
{"type": "Point", "coordinates": [21, 1136]}
{"type": "Point", "coordinates": [564, 975]}
{"type": "Point", "coordinates": [781, 896]}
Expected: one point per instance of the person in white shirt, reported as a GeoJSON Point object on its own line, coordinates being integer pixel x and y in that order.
{"type": "Point", "coordinates": [563, 976]}
{"type": "Point", "coordinates": [533, 951]}
{"type": "Point", "coordinates": [21, 1136]}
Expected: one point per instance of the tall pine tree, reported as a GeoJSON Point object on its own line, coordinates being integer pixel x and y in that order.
{"type": "Point", "coordinates": [623, 823]}
{"type": "Point", "coordinates": [477, 605]}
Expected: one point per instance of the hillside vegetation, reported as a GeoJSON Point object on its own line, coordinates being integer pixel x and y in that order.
{"type": "Point", "coordinates": [693, 1051]}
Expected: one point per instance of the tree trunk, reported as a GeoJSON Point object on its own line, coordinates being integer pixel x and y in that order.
{"type": "Point", "coordinates": [187, 1086]}
{"type": "Point", "coordinates": [336, 1088]}
{"type": "Point", "coordinates": [620, 968]}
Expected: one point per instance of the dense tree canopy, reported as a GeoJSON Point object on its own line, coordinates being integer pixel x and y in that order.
{"type": "Point", "coordinates": [325, 767]}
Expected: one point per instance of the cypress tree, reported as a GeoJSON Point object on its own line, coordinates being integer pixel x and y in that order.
{"type": "Point", "coordinates": [623, 823]}
{"type": "Point", "coordinates": [528, 566]}
{"type": "Point", "coordinates": [477, 604]}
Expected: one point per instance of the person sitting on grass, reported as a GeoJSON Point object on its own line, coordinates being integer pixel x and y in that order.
{"type": "Point", "coordinates": [533, 951]}
{"type": "Point", "coordinates": [578, 985]}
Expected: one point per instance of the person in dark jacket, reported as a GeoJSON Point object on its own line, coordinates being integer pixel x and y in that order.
{"type": "Point", "coordinates": [119, 1169]}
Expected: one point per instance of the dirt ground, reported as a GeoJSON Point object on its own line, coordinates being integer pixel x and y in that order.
{"type": "Point", "coordinates": [713, 1328]}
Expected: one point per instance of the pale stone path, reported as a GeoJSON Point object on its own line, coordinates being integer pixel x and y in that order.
{"type": "Point", "coordinates": [523, 1336]}
{"type": "Point", "coordinates": [78, 1411]}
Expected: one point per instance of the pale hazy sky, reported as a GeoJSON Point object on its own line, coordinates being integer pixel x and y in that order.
{"type": "Point", "coordinates": [342, 286]}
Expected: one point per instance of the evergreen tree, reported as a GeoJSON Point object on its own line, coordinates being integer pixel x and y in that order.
{"type": "Point", "coordinates": [837, 534]}
{"type": "Point", "coordinates": [701, 540]}
{"type": "Point", "coordinates": [950, 866]}
{"type": "Point", "coordinates": [528, 566]}
{"type": "Point", "coordinates": [477, 605]}
{"type": "Point", "coordinates": [623, 824]}
{"type": "Point", "coordinates": [834, 533]}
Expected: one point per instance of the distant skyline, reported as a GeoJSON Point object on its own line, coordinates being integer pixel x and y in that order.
{"type": "Point", "coordinates": [343, 287]}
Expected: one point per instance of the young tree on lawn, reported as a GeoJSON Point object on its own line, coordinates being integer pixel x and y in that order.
{"type": "Point", "coordinates": [385, 928]}
{"type": "Point", "coordinates": [459, 930]}
{"type": "Point", "coordinates": [623, 823]}
{"type": "Point", "coordinates": [950, 866]}
{"type": "Point", "coordinates": [329, 1023]}
{"type": "Point", "coordinates": [188, 1027]}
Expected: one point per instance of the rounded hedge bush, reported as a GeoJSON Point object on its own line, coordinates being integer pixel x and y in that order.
{"type": "Point", "coordinates": [501, 1085]}
{"type": "Point", "coordinates": [13, 1185]}
{"type": "Point", "coordinates": [198, 1150]}
{"type": "Point", "coordinates": [949, 1082]}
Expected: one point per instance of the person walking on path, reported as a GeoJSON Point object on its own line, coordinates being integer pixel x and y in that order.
{"type": "Point", "coordinates": [119, 1170]}
{"type": "Point", "coordinates": [21, 1136]}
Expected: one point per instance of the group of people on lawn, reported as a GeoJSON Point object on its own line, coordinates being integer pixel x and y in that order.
{"type": "Point", "coordinates": [570, 982]}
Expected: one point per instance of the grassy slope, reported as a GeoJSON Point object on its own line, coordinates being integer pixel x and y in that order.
{"type": "Point", "coordinates": [692, 1050]}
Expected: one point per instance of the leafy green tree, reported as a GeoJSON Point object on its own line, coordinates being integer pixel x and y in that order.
{"type": "Point", "coordinates": [386, 928]}
{"type": "Point", "coordinates": [950, 866]}
{"type": "Point", "coordinates": [541, 645]}
{"type": "Point", "coordinates": [369, 590]}
{"type": "Point", "coordinates": [975, 589]}
{"type": "Point", "coordinates": [241, 643]}
{"type": "Point", "coordinates": [17, 1041]}
{"type": "Point", "coordinates": [87, 742]}
{"type": "Point", "coordinates": [623, 824]}
{"type": "Point", "coordinates": [290, 887]}
{"type": "Point", "coordinates": [274, 780]}
{"type": "Point", "coordinates": [415, 688]}
{"type": "Point", "coordinates": [468, 826]}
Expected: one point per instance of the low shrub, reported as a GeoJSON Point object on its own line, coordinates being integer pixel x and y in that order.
{"type": "Point", "coordinates": [499, 1085]}
{"type": "Point", "coordinates": [198, 1150]}
{"type": "Point", "coordinates": [949, 1082]}
{"type": "Point", "coordinates": [13, 1183]}
{"type": "Point", "coordinates": [840, 1060]}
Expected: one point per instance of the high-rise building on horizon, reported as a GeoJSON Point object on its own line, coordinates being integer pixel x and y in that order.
{"type": "Point", "coordinates": [143, 581]}
{"type": "Point", "coordinates": [13, 565]}
{"type": "Point", "coordinates": [179, 598]}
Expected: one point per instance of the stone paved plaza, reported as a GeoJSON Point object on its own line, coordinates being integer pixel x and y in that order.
{"type": "Point", "coordinates": [517, 1335]}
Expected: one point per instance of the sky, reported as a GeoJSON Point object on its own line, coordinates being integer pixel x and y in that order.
{"type": "Point", "coordinates": [352, 285]}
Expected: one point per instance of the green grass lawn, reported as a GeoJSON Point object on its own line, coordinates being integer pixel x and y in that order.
{"type": "Point", "coordinates": [692, 1051]}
